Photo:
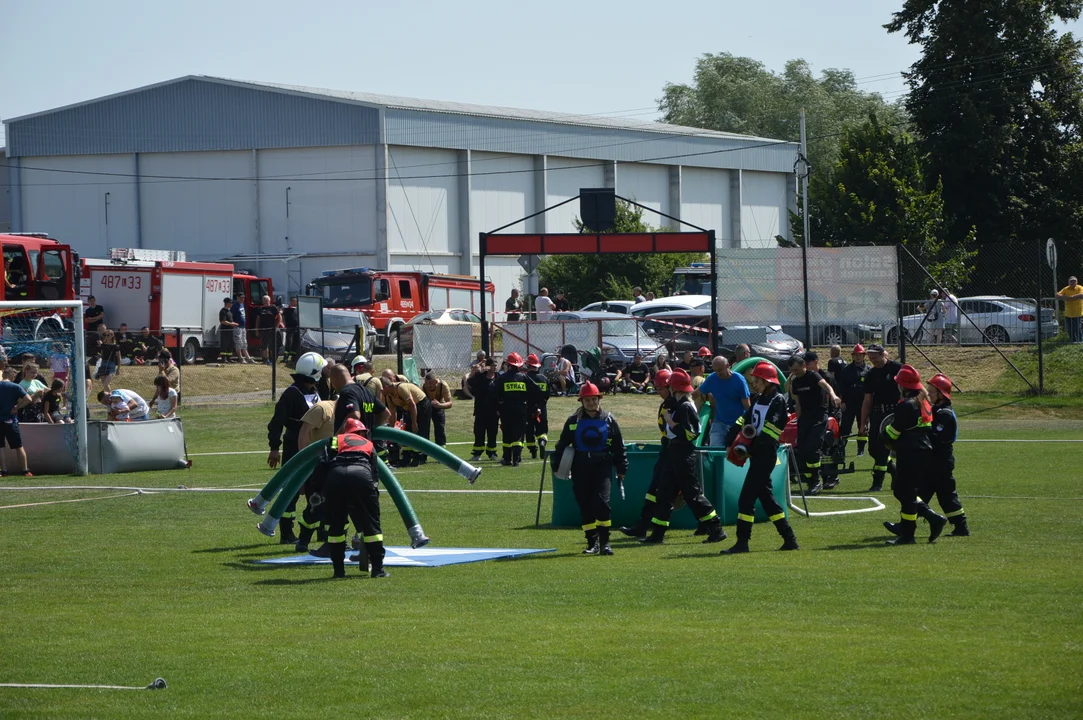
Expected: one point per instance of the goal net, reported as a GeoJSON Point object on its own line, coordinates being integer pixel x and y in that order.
{"type": "Point", "coordinates": [43, 341]}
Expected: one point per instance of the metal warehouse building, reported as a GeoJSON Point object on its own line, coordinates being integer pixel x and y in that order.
{"type": "Point", "coordinates": [291, 181]}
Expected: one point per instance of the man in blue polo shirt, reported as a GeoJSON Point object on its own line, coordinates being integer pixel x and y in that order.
{"type": "Point", "coordinates": [727, 393]}
{"type": "Point", "coordinates": [13, 399]}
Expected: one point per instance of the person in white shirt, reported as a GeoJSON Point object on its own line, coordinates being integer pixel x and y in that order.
{"type": "Point", "coordinates": [165, 397]}
{"type": "Point", "coordinates": [950, 305]}
{"type": "Point", "coordinates": [543, 305]}
{"type": "Point", "coordinates": [125, 405]}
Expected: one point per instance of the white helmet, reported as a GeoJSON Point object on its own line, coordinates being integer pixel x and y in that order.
{"type": "Point", "coordinates": [310, 365]}
{"type": "Point", "coordinates": [358, 360]}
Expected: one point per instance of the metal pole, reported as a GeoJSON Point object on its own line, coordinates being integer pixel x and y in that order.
{"type": "Point", "coordinates": [79, 398]}
{"type": "Point", "coordinates": [712, 343]}
{"type": "Point", "coordinates": [1038, 322]}
{"type": "Point", "coordinates": [900, 330]}
{"type": "Point", "coordinates": [481, 283]}
{"type": "Point", "coordinates": [805, 229]}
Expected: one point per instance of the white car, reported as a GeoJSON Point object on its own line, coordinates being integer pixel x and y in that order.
{"type": "Point", "coordinates": [619, 307]}
{"type": "Point", "coordinates": [1003, 320]}
{"type": "Point", "coordinates": [668, 304]}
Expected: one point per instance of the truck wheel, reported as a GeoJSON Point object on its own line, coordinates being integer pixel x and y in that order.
{"type": "Point", "coordinates": [190, 351]}
{"type": "Point", "coordinates": [392, 342]}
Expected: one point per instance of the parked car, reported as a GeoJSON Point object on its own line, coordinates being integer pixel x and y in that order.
{"type": "Point", "coordinates": [448, 316]}
{"type": "Point", "coordinates": [836, 332]}
{"type": "Point", "coordinates": [621, 338]}
{"type": "Point", "coordinates": [682, 330]}
{"type": "Point", "coordinates": [336, 339]}
{"type": "Point", "coordinates": [1003, 320]}
{"type": "Point", "coordinates": [667, 304]}
{"type": "Point", "coordinates": [620, 307]}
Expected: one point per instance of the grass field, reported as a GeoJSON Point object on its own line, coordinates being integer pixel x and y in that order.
{"type": "Point", "coordinates": [121, 590]}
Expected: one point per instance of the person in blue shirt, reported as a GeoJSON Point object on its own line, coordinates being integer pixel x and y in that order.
{"type": "Point", "coordinates": [13, 398]}
{"type": "Point", "coordinates": [727, 394]}
{"type": "Point", "coordinates": [240, 333]}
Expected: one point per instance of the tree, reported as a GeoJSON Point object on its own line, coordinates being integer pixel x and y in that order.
{"type": "Point", "coordinates": [593, 277]}
{"type": "Point", "coordinates": [997, 101]}
{"type": "Point", "coordinates": [877, 193]}
{"type": "Point", "coordinates": [738, 94]}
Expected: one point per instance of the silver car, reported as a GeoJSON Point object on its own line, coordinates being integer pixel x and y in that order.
{"type": "Point", "coordinates": [621, 338]}
{"type": "Point", "coordinates": [336, 339]}
{"type": "Point", "coordinates": [1002, 319]}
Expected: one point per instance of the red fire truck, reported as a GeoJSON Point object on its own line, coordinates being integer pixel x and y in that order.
{"type": "Point", "coordinates": [37, 267]}
{"type": "Point", "coordinates": [391, 298]}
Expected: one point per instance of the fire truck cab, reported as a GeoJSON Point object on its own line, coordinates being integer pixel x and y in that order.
{"type": "Point", "coordinates": [37, 267]}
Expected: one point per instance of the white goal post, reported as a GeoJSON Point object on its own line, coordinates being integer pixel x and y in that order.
{"type": "Point", "coordinates": [46, 330]}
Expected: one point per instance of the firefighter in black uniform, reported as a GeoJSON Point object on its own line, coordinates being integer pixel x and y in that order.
{"type": "Point", "coordinates": [940, 480]}
{"type": "Point", "coordinates": [537, 421]}
{"type": "Point", "coordinates": [767, 416]}
{"type": "Point", "coordinates": [908, 433]}
{"type": "Point", "coordinates": [680, 468]}
{"type": "Point", "coordinates": [486, 420]}
{"type": "Point", "coordinates": [634, 377]}
{"type": "Point", "coordinates": [346, 477]}
{"type": "Point", "coordinates": [599, 450]}
{"type": "Point", "coordinates": [292, 405]}
{"type": "Point", "coordinates": [514, 390]}
{"type": "Point", "coordinates": [810, 391]}
{"type": "Point", "coordinates": [881, 397]}
{"type": "Point", "coordinates": [852, 391]}
{"type": "Point", "coordinates": [639, 530]}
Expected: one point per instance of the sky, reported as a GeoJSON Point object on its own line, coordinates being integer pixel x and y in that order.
{"type": "Point", "coordinates": [586, 57]}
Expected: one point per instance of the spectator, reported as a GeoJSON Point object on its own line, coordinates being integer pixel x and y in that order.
{"type": "Point", "coordinates": [634, 376]}
{"type": "Point", "coordinates": [268, 320]}
{"type": "Point", "coordinates": [36, 389]}
{"type": "Point", "coordinates": [292, 322]}
{"type": "Point", "coordinates": [94, 314]}
{"type": "Point", "coordinates": [686, 361]}
{"type": "Point", "coordinates": [835, 363]}
{"type": "Point", "coordinates": [650, 296]}
{"type": "Point", "coordinates": [165, 397]}
{"type": "Point", "coordinates": [52, 404]}
{"type": "Point", "coordinates": [169, 370]}
{"type": "Point", "coordinates": [126, 344]}
{"type": "Point", "coordinates": [280, 332]}
{"type": "Point", "coordinates": [1072, 294]}
{"type": "Point", "coordinates": [226, 328]}
{"type": "Point", "coordinates": [637, 292]}
{"type": "Point", "coordinates": [240, 330]}
{"type": "Point", "coordinates": [3, 358]}
{"type": "Point", "coordinates": [566, 376]}
{"type": "Point", "coordinates": [110, 364]}
{"type": "Point", "coordinates": [13, 399]}
{"type": "Point", "coordinates": [147, 346]}
{"type": "Point", "coordinates": [934, 318]}
{"type": "Point", "coordinates": [560, 303]}
{"type": "Point", "coordinates": [543, 305]}
{"type": "Point", "coordinates": [727, 394]}
{"type": "Point", "coordinates": [697, 372]}
{"type": "Point", "coordinates": [93, 346]}
{"type": "Point", "coordinates": [950, 306]}
{"type": "Point", "coordinates": [741, 352]}
{"type": "Point", "coordinates": [124, 405]}
{"type": "Point", "coordinates": [59, 363]}
{"type": "Point", "coordinates": [513, 306]}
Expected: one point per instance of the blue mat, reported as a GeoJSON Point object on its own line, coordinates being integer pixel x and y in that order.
{"type": "Point", "coordinates": [420, 557]}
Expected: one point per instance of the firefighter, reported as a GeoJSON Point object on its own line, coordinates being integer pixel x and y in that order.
{"type": "Point", "coordinates": [852, 391]}
{"type": "Point", "coordinates": [416, 412]}
{"type": "Point", "coordinates": [537, 421]}
{"type": "Point", "coordinates": [940, 480]}
{"type": "Point", "coordinates": [346, 478]}
{"type": "Point", "coordinates": [599, 450]}
{"type": "Point", "coordinates": [767, 416]}
{"type": "Point", "coordinates": [486, 420]}
{"type": "Point", "coordinates": [285, 425]}
{"type": "Point", "coordinates": [361, 369]}
{"type": "Point", "coordinates": [680, 467]}
{"type": "Point", "coordinates": [908, 433]}
{"type": "Point", "coordinates": [639, 530]}
{"type": "Point", "coordinates": [514, 391]}
{"type": "Point", "coordinates": [811, 392]}
{"type": "Point", "coordinates": [881, 397]}
{"type": "Point", "coordinates": [439, 394]}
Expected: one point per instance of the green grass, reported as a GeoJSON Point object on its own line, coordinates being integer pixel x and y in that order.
{"type": "Point", "coordinates": [119, 591]}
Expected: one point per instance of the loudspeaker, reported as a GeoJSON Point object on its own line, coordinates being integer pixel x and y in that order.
{"type": "Point", "coordinates": [597, 208]}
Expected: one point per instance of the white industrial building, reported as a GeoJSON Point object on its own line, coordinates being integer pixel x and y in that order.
{"type": "Point", "coordinates": [292, 181]}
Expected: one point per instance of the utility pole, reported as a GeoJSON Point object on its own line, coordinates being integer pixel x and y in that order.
{"type": "Point", "coordinates": [803, 170]}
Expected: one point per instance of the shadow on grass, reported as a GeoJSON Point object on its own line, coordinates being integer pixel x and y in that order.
{"type": "Point", "coordinates": [250, 566]}
{"type": "Point", "coordinates": [235, 548]}
{"type": "Point", "coordinates": [864, 544]}
{"type": "Point", "coordinates": [540, 556]}
{"type": "Point", "coordinates": [309, 581]}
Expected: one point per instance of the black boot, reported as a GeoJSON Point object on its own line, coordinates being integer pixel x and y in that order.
{"type": "Point", "coordinates": [287, 537]}
{"type": "Point", "coordinates": [338, 558]}
{"type": "Point", "coordinates": [789, 540]}
{"type": "Point", "coordinates": [376, 559]}
{"type": "Point", "coordinates": [960, 526]}
{"type": "Point", "coordinates": [893, 528]}
{"type": "Point", "coordinates": [303, 539]}
{"type": "Point", "coordinates": [637, 531]}
{"type": "Point", "coordinates": [744, 533]}
{"type": "Point", "coordinates": [701, 529]}
{"type": "Point", "coordinates": [935, 520]}
{"type": "Point", "coordinates": [603, 541]}
{"type": "Point", "coordinates": [715, 533]}
{"type": "Point", "coordinates": [592, 542]}
{"type": "Point", "coordinates": [657, 536]}
{"type": "Point", "coordinates": [905, 533]}
{"type": "Point", "coordinates": [861, 447]}
{"type": "Point", "coordinates": [877, 481]}
{"type": "Point", "coordinates": [361, 558]}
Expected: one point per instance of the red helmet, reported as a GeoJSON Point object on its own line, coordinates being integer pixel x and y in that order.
{"type": "Point", "coordinates": [680, 381]}
{"type": "Point", "coordinates": [704, 352]}
{"type": "Point", "coordinates": [515, 360]}
{"type": "Point", "coordinates": [908, 378]}
{"type": "Point", "coordinates": [589, 390]}
{"type": "Point", "coordinates": [353, 426]}
{"type": "Point", "coordinates": [941, 382]}
{"type": "Point", "coordinates": [533, 361]}
{"type": "Point", "coordinates": [766, 371]}
{"type": "Point", "coordinates": [661, 378]}
{"type": "Point", "coordinates": [859, 349]}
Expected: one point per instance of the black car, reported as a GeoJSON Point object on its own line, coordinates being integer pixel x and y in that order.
{"type": "Point", "coordinates": [682, 330]}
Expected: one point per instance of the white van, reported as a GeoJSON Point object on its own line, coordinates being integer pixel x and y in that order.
{"type": "Point", "coordinates": [674, 302]}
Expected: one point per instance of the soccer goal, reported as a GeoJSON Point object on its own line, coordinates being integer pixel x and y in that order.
{"type": "Point", "coordinates": [48, 335]}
